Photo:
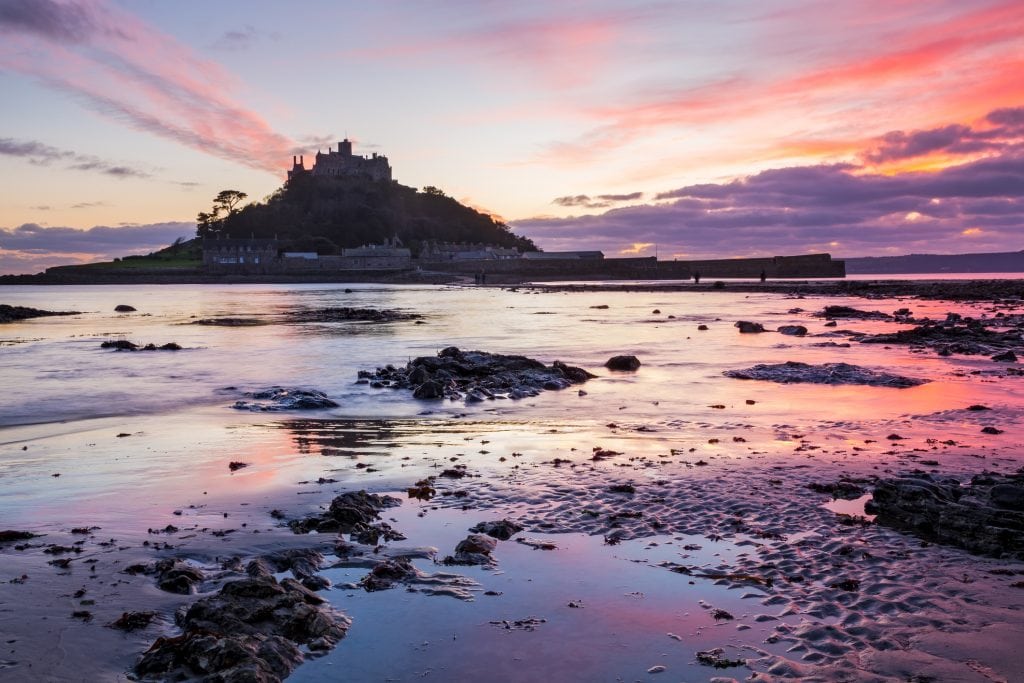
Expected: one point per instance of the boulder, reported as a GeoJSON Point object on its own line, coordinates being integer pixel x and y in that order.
{"type": "Point", "coordinates": [124, 308]}
{"type": "Point", "coordinates": [793, 330]}
{"type": "Point", "coordinates": [792, 372]}
{"type": "Point", "coordinates": [747, 327]}
{"type": "Point", "coordinates": [623, 363]}
{"type": "Point", "coordinates": [985, 516]}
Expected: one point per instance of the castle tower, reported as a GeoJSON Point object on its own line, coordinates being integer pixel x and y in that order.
{"type": "Point", "coordinates": [345, 148]}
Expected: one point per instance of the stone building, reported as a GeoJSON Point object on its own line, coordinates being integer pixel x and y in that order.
{"type": "Point", "coordinates": [434, 250]}
{"type": "Point", "coordinates": [344, 163]}
{"type": "Point", "coordinates": [239, 254]}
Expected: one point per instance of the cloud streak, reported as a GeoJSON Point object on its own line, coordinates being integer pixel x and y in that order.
{"type": "Point", "coordinates": [41, 154]}
{"type": "Point", "coordinates": [126, 70]}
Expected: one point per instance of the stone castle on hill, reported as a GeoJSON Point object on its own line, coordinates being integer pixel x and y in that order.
{"type": "Point", "coordinates": [344, 163]}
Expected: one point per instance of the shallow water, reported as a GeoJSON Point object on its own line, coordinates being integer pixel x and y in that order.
{"type": "Point", "coordinates": [137, 436]}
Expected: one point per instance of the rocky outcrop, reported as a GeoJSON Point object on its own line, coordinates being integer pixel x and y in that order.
{"type": "Point", "coordinates": [475, 376]}
{"type": "Point", "coordinates": [792, 372]}
{"type": "Point", "coordinates": [502, 530]}
{"type": "Point", "coordinates": [125, 345]}
{"type": "Point", "coordinates": [254, 629]}
{"type": "Point", "coordinates": [277, 399]}
{"type": "Point", "coordinates": [347, 314]}
{"type": "Point", "coordinates": [793, 330]}
{"type": "Point", "coordinates": [957, 335]}
{"type": "Point", "coordinates": [985, 516]}
{"type": "Point", "coordinates": [623, 363]}
{"type": "Point", "coordinates": [352, 512]}
{"type": "Point", "coordinates": [124, 308]}
{"type": "Point", "coordinates": [747, 327]}
{"type": "Point", "coordinates": [11, 314]}
{"type": "Point", "coordinates": [473, 550]}
{"type": "Point", "coordinates": [832, 312]}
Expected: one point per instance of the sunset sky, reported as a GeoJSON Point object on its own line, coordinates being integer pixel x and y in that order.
{"type": "Point", "coordinates": [708, 128]}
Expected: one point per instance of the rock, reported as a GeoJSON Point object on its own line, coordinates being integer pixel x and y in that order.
{"type": "Point", "coordinates": [9, 535]}
{"type": "Point", "coordinates": [845, 489]}
{"type": "Point", "coordinates": [747, 327]}
{"type": "Point", "coordinates": [1005, 357]}
{"type": "Point", "coordinates": [12, 314]}
{"type": "Point", "coordinates": [502, 529]}
{"type": "Point", "coordinates": [475, 376]}
{"type": "Point", "coordinates": [970, 338]}
{"type": "Point", "coordinates": [702, 328]}
{"type": "Point", "coordinates": [793, 330]}
{"type": "Point", "coordinates": [623, 363]}
{"type": "Point", "coordinates": [1010, 496]}
{"type": "Point", "coordinates": [119, 345]}
{"type": "Point", "coordinates": [991, 430]}
{"type": "Point", "coordinates": [828, 373]}
{"type": "Point", "coordinates": [133, 621]}
{"type": "Point", "coordinates": [230, 322]}
{"type": "Point", "coordinates": [251, 630]}
{"type": "Point", "coordinates": [387, 573]}
{"type": "Point", "coordinates": [348, 314]}
{"type": "Point", "coordinates": [985, 516]}
{"type": "Point", "coordinates": [473, 550]}
{"type": "Point", "coordinates": [124, 308]}
{"type": "Point", "coordinates": [277, 399]}
{"type": "Point", "coordinates": [430, 389]}
{"type": "Point", "coordinates": [236, 465]}
{"type": "Point", "coordinates": [622, 488]}
{"type": "Point", "coordinates": [848, 312]}
{"type": "Point", "coordinates": [175, 576]}
{"type": "Point", "coordinates": [978, 406]}
{"type": "Point", "coordinates": [350, 512]}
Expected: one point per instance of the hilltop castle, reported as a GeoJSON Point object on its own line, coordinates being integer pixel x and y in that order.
{"type": "Point", "coordinates": [344, 163]}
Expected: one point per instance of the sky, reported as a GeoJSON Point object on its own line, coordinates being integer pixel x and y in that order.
{"type": "Point", "coordinates": [681, 128]}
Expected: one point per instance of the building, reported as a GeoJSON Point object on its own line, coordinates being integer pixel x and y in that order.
{"type": "Point", "coordinates": [434, 250]}
{"type": "Point", "coordinates": [344, 163]}
{"type": "Point", "coordinates": [563, 255]}
{"type": "Point", "coordinates": [241, 254]}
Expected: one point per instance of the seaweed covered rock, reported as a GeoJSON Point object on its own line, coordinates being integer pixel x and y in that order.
{"type": "Point", "coordinates": [792, 372]}
{"type": "Point", "coordinates": [475, 376]}
{"type": "Point", "coordinates": [11, 314]}
{"type": "Point", "coordinates": [254, 629]}
{"type": "Point", "coordinates": [623, 363]}
{"type": "Point", "coordinates": [277, 399]}
{"type": "Point", "coordinates": [502, 529]}
{"type": "Point", "coordinates": [850, 312]}
{"type": "Point", "coordinates": [985, 516]}
{"type": "Point", "coordinates": [969, 338]}
{"type": "Point", "coordinates": [352, 512]}
{"type": "Point", "coordinates": [348, 314]}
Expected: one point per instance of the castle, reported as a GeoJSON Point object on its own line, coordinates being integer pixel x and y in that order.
{"type": "Point", "coordinates": [344, 163]}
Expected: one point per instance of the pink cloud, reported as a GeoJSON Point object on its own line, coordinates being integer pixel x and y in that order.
{"type": "Point", "coordinates": [127, 70]}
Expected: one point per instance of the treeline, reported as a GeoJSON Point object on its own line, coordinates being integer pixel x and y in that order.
{"type": "Point", "coordinates": [327, 214]}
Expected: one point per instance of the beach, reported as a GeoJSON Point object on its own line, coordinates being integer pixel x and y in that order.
{"type": "Point", "coordinates": [677, 523]}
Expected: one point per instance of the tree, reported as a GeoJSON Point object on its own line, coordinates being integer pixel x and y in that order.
{"type": "Point", "coordinates": [225, 205]}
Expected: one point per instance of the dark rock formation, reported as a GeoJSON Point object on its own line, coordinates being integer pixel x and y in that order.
{"type": "Point", "coordinates": [9, 535]}
{"type": "Point", "coordinates": [793, 330]}
{"type": "Point", "coordinates": [502, 529]}
{"type": "Point", "coordinates": [848, 312]}
{"type": "Point", "coordinates": [351, 512]}
{"type": "Point", "coordinates": [792, 372]}
{"type": "Point", "coordinates": [473, 550]}
{"type": "Point", "coordinates": [175, 576]}
{"type": "Point", "coordinates": [386, 573]}
{"type": "Point", "coordinates": [347, 314]}
{"type": "Point", "coordinates": [623, 363]}
{"type": "Point", "coordinates": [747, 327]}
{"type": "Point", "coordinates": [957, 336]}
{"type": "Point", "coordinates": [986, 516]}
{"type": "Point", "coordinates": [124, 308]}
{"type": "Point", "coordinates": [230, 322]}
{"type": "Point", "coordinates": [277, 399]}
{"type": "Point", "coordinates": [251, 630]}
{"type": "Point", "coordinates": [11, 314]}
{"type": "Point", "coordinates": [125, 345]}
{"type": "Point", "coordinates": [475, 376]}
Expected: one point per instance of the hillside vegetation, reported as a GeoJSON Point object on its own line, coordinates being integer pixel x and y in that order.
{"type": "Point", "coordinates": [326, 214]}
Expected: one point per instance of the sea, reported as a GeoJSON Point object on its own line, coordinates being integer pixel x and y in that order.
{"type": "Point", "coordinates": [119, 439]}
